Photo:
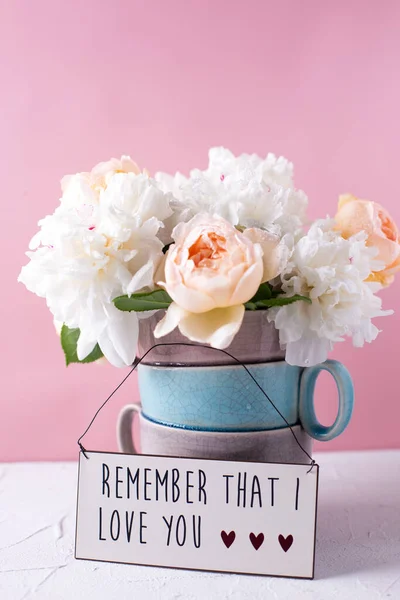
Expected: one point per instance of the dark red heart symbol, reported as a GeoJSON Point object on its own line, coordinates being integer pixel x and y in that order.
{"type": "Point", "coordinates": [256, 540]}
{"type": "Point", "coordinates": [285, 542]}
{"type": "Point", "coordinates": [228, 538]}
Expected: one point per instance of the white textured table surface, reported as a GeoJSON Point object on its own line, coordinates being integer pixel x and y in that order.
{"type": "Point", "coordinates": [358, 541]}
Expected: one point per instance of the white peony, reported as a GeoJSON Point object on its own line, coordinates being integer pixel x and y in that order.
{"type": "Point", "coordinates": [331, 271]}
{"type": "Point", "coordinates": [245, 190]}
{"type": "Point", "coordinates": [102, 245]}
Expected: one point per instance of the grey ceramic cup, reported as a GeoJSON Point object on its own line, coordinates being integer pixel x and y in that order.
{"type": "Point", "coordinates": [277, 445]}
{"type": "Point", "coordinates": [257, 341]}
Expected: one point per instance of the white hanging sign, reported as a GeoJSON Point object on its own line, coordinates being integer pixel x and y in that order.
{"type": "Point", "coordinates": [212, 515]}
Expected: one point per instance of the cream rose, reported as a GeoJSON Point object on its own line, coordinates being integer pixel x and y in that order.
{"type": "Point", "coordinates": [101, 174]}
{"type": "Point", "coordinates": [210, 272]}
{"type": "Point", "coordinates": [86, 186]}
{"type": "Point", "coordinates": [356, 215]}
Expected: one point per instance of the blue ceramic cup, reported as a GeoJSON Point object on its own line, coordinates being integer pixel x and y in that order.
{"type": "Point", "coordinates": [225, 398]}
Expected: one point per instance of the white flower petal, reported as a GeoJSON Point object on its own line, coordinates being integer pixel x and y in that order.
{"type": "Point", "coordinates": [308, 351]}
{"type": "Point", "coordinates": [142, 278]}
{"type": "Point", "coordinates": [107, 348]}
{"type": "Point", "coordinates": [129, 195]}
{"type": "Point", "coordinates": [35, 241]}
{"type": "Point", "coordinates": [123, 331]}
{"type": "Point", "coordinates": [85, 345]}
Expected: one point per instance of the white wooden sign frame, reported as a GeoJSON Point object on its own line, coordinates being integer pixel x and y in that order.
{"type": "Point", "coordinates": [208, 515]}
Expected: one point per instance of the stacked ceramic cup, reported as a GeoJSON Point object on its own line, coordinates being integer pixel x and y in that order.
{"type": "Point", "coordinates": [199, 402]}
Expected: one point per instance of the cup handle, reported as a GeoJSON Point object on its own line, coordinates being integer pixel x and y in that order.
{"type": "Point", "coordinates": [345, 389]}
{"type": "Point", "coordinates": [124, 428]}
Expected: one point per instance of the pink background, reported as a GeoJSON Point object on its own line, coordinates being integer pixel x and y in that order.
{"type": "Point", "coordinates": [164, 81]}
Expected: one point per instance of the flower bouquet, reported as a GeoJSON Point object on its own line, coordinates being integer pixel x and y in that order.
{"type": "Point", "coordinates": [203, 256]}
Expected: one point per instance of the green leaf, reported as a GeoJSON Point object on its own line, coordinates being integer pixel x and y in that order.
{"type": "Point", "coordinates": [264, 292]}
{"type": "Point", "coordinates": [69, 340]}
{"type": "Point", "coordinates": [143, 301]}
{"type": "Point", "coordinates": [250, 306]}
{"type": "Point", "coordinates": [275, 293]}
{"type": "Point", "coordinates": [281, 301]}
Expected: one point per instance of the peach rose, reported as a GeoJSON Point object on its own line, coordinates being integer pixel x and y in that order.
{"type": "Point", "coordinates": [356, 215]}
{"type": "Point", "coordinates": [210, 272]}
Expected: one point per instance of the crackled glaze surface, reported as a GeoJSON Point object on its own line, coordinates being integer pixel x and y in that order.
{"type": "Point", "coordinates": [221, 398]}
{"type": "Point", "coordinates": [226, 398]}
